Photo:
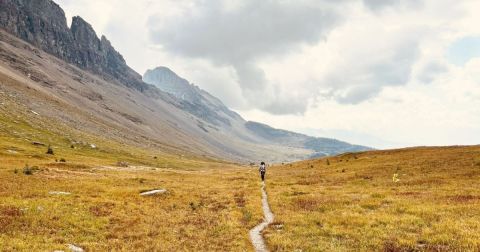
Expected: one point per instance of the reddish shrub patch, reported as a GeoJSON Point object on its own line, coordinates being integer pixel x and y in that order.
{"type": "Point", "coordinates": [8, 214]}
{"type": "Point", "coordinates": [408, 193]}
{"type": "Point", "coordinates": [393, 246]}
{"type": "Point", "coordinates": [239, 199]}
{"type": "Point", "coordinates": [464, 198]}
{"type": "Point", "coordinates": [307, 204]}
{"type": "Point", "coordinates": [10, 211]}
{"type": "Point", "coordinates": [102, 210]}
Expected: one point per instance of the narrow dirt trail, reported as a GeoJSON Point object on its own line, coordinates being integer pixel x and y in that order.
{"type": "Point", "coordinates": [256, 232]}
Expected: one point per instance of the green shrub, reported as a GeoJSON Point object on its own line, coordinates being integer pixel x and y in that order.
{"type": "Point", "coordinates": [246, 216]}
{"type": "Point", "coordinates": [62, 160]}
{"type": "Point", "coordinates": [50, 150]}
{"type": "Point", "coordinates": [27, 170]}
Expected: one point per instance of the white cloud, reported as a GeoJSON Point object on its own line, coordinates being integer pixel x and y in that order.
{"type": "Point", "coordinates": [239, 36]}
{"type": "Point", "coordinates": [380, 5]}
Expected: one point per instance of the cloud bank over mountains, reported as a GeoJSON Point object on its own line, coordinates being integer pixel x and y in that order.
{"type": "Point", "coordinates": [239, 36]}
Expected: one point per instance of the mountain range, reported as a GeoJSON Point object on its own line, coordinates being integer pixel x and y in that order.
{"type": "Point", "coordinates": [219, 117]}
{"type": "Point", "coordinates": [70, 77]}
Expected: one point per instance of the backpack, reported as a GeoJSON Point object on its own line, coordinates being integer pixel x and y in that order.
{"type": "Point", "coordinates": [262, 168]}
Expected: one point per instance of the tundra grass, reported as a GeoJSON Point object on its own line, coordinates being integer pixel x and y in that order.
{"type": "Point", "coordinates": [355, 202]}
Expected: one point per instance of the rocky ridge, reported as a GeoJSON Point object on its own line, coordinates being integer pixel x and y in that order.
{"type": "Point", "coordinates": [43, 24]}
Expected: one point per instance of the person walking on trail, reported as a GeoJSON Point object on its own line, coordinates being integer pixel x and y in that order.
{"type": "Point", "coordinates": [263, 169]}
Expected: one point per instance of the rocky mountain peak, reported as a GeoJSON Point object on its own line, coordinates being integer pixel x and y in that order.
{"type": "Point", "coordinates": [168, 81]}
{"type": "Point", "coordinates": [163, 71]}
{"type": "Point", "coordinates": [43, 24]}
{"type": "Point", "coordinates": [83, 32]}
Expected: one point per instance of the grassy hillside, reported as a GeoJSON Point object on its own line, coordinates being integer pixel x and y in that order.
{"type": "Point", "coordinates": [210, 205]}
{"type": "Point", "coordinates": [355, 202]}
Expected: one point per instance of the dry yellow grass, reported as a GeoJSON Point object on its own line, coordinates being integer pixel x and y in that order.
{"type": "Point", "coordinates": [209, 208]}
{"type": "Point", "coordinates": [351, 202]}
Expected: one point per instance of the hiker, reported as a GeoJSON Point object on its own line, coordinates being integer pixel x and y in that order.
{"type": "Point", "coordinates": [263, 169]}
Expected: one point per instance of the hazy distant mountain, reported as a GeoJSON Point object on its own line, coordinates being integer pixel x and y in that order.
{"type": "Point", "coordinates": [320, 146]}
{"type": "Point", "coordinates": [170, 82]}
{"type": "Point", "coordinates": [192, 99]}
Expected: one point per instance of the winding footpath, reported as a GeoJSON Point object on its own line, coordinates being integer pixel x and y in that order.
{"type": "Point", "coordinates": [256, 232]}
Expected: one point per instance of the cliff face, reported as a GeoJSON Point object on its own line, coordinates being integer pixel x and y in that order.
{"type": "Point", "coordinates": [43, 24]}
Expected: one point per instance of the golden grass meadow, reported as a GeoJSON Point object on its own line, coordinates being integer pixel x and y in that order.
{"type": "Point", "coordinates": [207, 207]}
{"type": "Point", "coordinates": [351, 202]}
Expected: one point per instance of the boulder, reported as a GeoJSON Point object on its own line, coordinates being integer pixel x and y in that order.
{"type": "Point", "coordinates": [153, 192]}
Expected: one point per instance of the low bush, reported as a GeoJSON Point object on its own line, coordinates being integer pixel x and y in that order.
{"type": "Point", "coordinates": [27, 170]}
{"type": "Point", "coordinates": [50, 150]}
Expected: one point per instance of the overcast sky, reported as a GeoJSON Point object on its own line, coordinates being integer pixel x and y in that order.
{"type": "Point", "coordinates": [383, 73]}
